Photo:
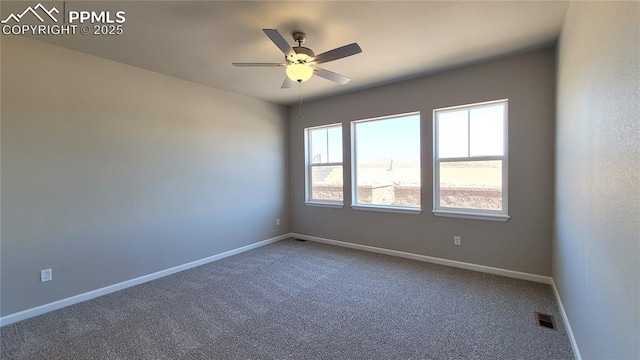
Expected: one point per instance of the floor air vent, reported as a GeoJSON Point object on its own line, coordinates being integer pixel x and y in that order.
{"type": "Point", "coordinates": [545, 320]}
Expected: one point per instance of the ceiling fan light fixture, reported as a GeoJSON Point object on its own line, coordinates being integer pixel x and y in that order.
{"type": "Point", "coordinates": [299, 72]}
{"type": "Point", "coordinates": [300, 61]}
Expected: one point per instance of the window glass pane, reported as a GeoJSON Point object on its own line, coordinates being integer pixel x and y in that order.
{"type": "Point", "coordinates": [325, 145]}
{"type": "Point", "coordinates": [486, 125]}
{"type": "Point", "coordinates": [453, 134]}
{"type": "Point", "coordinates": [387, 161]}
{"type": "Point", "coordinates": [471, 185]}
{"type": "Point", "coordinates": [334, 142]}
{"type": "Point", "coordinates": [326, 183]}
{"type": "Point", "coordinates": [318, 146]}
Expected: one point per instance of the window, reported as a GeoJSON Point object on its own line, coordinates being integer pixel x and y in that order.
{"type": "Point", "coordinates": [323, 150]}
{"type": "Point", "coordinates": [470, 161]}
{"type": "Point", "coordinates": [386, 163]}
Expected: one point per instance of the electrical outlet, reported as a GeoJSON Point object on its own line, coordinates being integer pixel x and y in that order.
{"type": "Point", "coordinates": [278, 222]}
{"type": "Point", "coordinates": [46, 275]}
{"type": "Point", "coordinates": [456, 240]}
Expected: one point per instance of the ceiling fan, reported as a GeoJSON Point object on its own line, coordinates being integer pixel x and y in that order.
{"type": "Point", "coordinates": [300, 61]}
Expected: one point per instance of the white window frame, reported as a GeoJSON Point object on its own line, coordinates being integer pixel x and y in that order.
{"type": "Point", "coordinates": [354, 175]}
{"type": "Point", "coordinates": [309, 170]}
{"type": "Point", "coordinates": [476, 214]}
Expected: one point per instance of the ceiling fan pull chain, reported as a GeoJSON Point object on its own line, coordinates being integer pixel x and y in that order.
{"type": "Point", "coordinates": [300, 94]}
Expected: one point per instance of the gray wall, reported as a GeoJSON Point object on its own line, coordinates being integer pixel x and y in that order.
{"type": "Point", "coordinates": [596, 262]}
{"type": "Point", "coordinates": [523, 243]}
{"type": "Point", "coordinates": [110, 172]}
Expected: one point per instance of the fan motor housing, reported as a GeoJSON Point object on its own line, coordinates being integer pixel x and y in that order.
{"type": "Point", "coordinates": [303, 54]}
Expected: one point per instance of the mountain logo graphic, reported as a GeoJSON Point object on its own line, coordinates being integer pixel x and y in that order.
{"type": "Point", "coordinates": [33, 10]}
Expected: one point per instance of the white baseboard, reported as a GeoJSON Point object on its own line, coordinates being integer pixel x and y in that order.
{"type": "Point", "coordinates": [25, 314]}
{"type": "Point", "coordinates": [430, 259]}
{"type": "Point", "coordinates": [567, 325]}
{"type": "Point", "coordinates": [38, 310]}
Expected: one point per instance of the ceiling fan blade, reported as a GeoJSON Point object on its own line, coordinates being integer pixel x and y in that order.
{"type": "Point", "coordinates": [330, 75]}
{"type": "Point", "coordinates": [338, 53]}
{"type": "Point", "coordinates": [257, 64]}
{"type": "Point", "coordinates": [287, 83]}
{"type": "Point", "coordinates": [280, 42]}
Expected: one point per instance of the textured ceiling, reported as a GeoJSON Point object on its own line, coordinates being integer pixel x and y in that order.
{"type": "Point", "coordinates": [198, 41]}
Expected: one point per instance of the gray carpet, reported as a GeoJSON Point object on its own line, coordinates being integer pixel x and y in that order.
{"type": "Point", "coordinates": [303, 300]}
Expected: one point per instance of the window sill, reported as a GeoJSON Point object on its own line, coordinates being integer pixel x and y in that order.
{"type": "Point", "coordinates": [391, 209]}
{"type": "Point", "coordinates": [323, 204]}
{"type": "Point", "coordinates": [471, 215]}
